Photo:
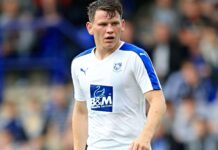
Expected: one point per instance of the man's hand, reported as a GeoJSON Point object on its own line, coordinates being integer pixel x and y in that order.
{"type": "Point", "coordinates": [140, 144]}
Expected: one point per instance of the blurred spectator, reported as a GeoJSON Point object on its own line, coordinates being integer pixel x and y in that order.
{"type": "Point", "coordinates": [190, 38]}
{"type": "Point", "coordinates": [204, 140]}
{"type": "Point", "coordinates": [129, 34]}
{"type": "Point", "coordinates": [12, 122]}
{"type": "Point", "coordinates": [68, 138]}
{"type": "Point", "coordinates": [36, 143]}
{"type": "Point", "coordinates": [182, 127]}
{"type": "Point", "coordinates": [209, 10]}
{"type": "Point", "coordinates": [169, 117]}
{"type": "Point", "coordinates": [50, 41]}
{"type": "Point", "coordinates": [53, 138]}
{"type": "Point", "coordinates": [57, 109]}
{"type": "Point", "coordinates": [50, 44]}
{"type": "Point", "coordinates": [209, 50]}
{"type": "Point", "coordinates": [166, 141]}
{"type": "Point", "coordinates": [163, 11]}
{"type": "Point", "coordinates": [190, 11]}
{"type": "Point", "coordinates": [212, 118]}
{"type": "Point", "coordinates": [162, 49]}
{"type": "Point", "coordinates": [209, 46]}
{"type": "Point", "coordinates": [184, 82]}
{"type": "Point", "coordinates": [161, 141]}
{"type": "Point", "coordinates": [6, 140]}
{"type": "Point", "coordinates": [164, 138]}
{"type": "Point", "coordinates": [15, 41]}
{"type": "Point", "coordinates": [33, 118]}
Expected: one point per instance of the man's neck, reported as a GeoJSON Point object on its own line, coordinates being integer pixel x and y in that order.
{"type": "Point", "coordinates": [101, 53]}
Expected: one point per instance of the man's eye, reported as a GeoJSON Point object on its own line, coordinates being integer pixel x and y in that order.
{"type": "Point", "coordinates": [102, 24]}
{"type": "Point", "coordinates": [115, 23]}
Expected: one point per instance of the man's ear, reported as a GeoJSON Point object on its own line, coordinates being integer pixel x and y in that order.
{"type": "Point", "coordinates": [123, 25]}
{"type": "Point", "coordinates": [89, 27]}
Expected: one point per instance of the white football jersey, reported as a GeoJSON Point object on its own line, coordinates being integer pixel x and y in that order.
{"type": "Point", "coordinates": [113, 89]}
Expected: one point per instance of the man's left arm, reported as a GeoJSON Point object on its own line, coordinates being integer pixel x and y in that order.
{"type": "Point", "coordinates": [156, 111]}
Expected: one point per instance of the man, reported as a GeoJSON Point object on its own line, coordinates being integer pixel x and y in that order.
{"type": "Point", "coordinates": [111, 82]}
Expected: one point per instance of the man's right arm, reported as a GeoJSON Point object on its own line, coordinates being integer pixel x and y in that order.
{"type": "Point", "coordinates": [80, 125]}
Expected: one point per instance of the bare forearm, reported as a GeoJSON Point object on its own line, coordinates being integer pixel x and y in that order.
{"type": "Point", "coordinates": [80, 130]}
{"type": "Point", "coordinates": [155, 115]}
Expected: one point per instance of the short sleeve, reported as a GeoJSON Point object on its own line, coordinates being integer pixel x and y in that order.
{"type": "Point", "coordinates": [144, 73]}
{"type": "Point", "coordinates": [78, 93]}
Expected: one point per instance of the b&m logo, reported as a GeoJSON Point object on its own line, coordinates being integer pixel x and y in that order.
{"type": "Point", "coordinates": [101, 98]}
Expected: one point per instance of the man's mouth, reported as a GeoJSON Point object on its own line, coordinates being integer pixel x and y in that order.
{"type": "Point", "coordinates": [109, 38]}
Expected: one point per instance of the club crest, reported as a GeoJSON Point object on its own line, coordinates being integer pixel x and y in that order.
{"type": "Point", "coordinates": [117, 67]}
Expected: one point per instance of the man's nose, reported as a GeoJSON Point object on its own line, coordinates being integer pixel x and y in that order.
{"type": "Point", "coordinates": [110, 29]}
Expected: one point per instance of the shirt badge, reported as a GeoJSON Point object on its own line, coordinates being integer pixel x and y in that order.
{"type": "Point", "coordinates": [117, 67]}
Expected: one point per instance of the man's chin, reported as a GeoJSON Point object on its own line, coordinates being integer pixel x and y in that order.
{"type": "Point", "coordinates": [109, 46]}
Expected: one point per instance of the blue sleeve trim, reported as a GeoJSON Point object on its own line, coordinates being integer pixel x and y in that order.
{"type": "Point", "coordinates": [88, 51]}
{"type": "Point", "coordinates": [146, 61]}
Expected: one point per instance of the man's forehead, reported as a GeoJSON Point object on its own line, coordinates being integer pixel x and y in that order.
{"type": "Point", "coordinates": [106, 14]}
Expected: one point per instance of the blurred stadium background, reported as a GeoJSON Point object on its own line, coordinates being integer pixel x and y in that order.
{"type": "Point", "coordinates": [39, 38]}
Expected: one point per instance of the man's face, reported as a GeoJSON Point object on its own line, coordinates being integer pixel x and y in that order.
{"type": "Point", "coordinates": [106, 30]}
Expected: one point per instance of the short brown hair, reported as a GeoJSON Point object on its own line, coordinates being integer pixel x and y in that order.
{"type": "Point", "coordinates": [110, 6]}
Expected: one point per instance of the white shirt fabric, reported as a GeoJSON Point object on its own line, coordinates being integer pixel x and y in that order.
{"type": "Point", "coordinates": [113, 89]}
